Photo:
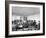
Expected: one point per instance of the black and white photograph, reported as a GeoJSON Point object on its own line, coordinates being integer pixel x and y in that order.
{"type": "Point", "coordinates": [25, 19]}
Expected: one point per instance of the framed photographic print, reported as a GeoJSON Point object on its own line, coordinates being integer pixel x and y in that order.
{"type": "Point", "coordinates": [24, 18]}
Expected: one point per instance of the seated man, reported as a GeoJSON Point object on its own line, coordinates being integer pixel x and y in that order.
{"type": "Point", "coordinates": [25, 25]}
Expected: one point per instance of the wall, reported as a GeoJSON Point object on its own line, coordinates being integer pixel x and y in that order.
{"type": "Point", "coordinates": [2, 19]}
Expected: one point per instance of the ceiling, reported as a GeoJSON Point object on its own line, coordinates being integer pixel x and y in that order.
{"type": "Point", "coordinates": [25, 11]}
